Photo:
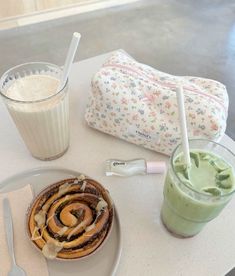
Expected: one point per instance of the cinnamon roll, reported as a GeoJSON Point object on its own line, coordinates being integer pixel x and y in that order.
{"type": "Point", "coordinates": [71, 218]}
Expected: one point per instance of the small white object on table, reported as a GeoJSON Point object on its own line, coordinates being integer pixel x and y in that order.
{"type": "Point", "coordinates": [148, 249]}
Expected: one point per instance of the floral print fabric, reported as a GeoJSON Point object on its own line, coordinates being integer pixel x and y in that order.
{"type": "Point", "coordinates": [137, 103]}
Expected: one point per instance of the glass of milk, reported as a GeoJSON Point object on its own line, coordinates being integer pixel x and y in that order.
{"type": "Point", "coordinates": [39, 109]}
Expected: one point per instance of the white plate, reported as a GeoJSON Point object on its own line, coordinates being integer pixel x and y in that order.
{"type": "Point", "coordinates": [105, 261]}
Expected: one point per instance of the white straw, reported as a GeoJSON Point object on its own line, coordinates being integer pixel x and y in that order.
{"type": "Point", "coordinates": [69, 59]}
{"type": "Point", "coordinates": [183, 125]}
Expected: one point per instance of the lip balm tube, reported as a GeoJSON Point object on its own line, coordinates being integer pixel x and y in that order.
{"type": "Point", "coordinates": [133, 167]}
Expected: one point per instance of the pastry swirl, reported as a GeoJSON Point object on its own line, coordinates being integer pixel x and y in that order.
{"type": "Point", "coordinates": [71, 218]}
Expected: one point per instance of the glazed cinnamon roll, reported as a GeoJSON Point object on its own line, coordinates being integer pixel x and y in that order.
{"type": "Point", "coordinates": [70, 219]}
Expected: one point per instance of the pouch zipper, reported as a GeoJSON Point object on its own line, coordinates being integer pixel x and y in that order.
{"type": "Point", "coordinates": [169, 85]}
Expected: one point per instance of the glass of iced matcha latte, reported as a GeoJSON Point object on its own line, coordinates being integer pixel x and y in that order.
{"type": "Point", "coordinates": [197, 194]}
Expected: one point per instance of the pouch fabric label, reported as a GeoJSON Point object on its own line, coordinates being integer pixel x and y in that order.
{"type": "Point", "coordinates": [145, 136]}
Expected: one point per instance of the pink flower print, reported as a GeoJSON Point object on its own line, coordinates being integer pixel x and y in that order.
{"type": "Point", "coordinates": [124, 101]}
{"type": "Point", "coordinates": [214, 126]}
{"type": "Point", "coordinates": [191, 115]}
{"type": "Point", "coordinates": [114, 85]}
{"type": "Point", "coordinates": [196, 132]}
{"type": "Point", "coordinates": [135, 117]}
{"type": "Point", "coordinates": [167, 105]}
{"type": "Point", "coordinates": [143, 120]}
{"type": "Point", "coordinates": [113, 114]}
{"type": "Point", "coordinates": [150, 98]}
{"type": "Point", "coordinates": [134, 100]}
{"type": "Point", "coordinates": [153, 114]}
{"type": "Point", "coordinates": [157, 93]}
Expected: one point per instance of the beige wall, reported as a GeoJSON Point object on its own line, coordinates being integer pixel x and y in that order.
{"type": "Point", "coordinates": [16, 7]}
{"type": "Point", "coordinates": [16, 13]}
{"type": "Point", "coordinates": [11, 8]}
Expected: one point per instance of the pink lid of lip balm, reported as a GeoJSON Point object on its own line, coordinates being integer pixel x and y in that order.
{"type": "Point", "coordinates": [156, 167]}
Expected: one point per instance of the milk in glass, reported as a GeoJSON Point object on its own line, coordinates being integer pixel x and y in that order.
{"type": "Point", "coordinates": [41, 114]}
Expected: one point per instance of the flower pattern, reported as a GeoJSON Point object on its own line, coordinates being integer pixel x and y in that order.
{"type": "Point", "coordinates": [133, 101]}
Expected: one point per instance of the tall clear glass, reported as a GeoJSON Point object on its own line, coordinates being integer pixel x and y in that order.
{"type": "Point", "coordinates": [44, 123]}
{"type": "Point", "coordinates": [185, 211]}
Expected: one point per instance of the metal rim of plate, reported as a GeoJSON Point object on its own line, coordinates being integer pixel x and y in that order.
{"type": "Point", "coordinates": [4, 188]}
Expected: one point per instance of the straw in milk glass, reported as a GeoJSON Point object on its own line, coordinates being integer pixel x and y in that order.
{"type": "Point", "coordinates": [183, 125]}
{"type": "Point", "coordinates": [69, 59]}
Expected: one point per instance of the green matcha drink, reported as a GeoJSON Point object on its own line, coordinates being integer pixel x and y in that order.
{"type": "Point", "coordinates": [194, 196]}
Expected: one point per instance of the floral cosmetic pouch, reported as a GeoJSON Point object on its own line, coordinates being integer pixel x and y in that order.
{"type": "Point", "coordinates": [137, 103]}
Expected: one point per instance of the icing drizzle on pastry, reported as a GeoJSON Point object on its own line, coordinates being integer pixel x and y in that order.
{"type": "Point", "coordinates": [62, 231]}
{"type": "Point", "coordinates": [90, 227]}
{"type": "Point", "coordinates": [101, 205]}
{"type": "Point", "coordinates": [63, 189]}
{"type": "Point", "coordinates": [83, 187]}
{"type": "Point", "coordinates": [80, 225]}
{"type": "Point", "coordinates": [40, 218]}
{"type": "Point", "coordinates": [81, 177]}
{"type": "Point", "coordinates": [51, 248]}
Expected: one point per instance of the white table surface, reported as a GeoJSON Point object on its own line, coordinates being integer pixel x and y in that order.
{"type": "Point", "coordinates": [148, 249]}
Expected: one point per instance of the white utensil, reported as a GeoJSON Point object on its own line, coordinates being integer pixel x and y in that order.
{"type": "Point", "coordinates": [15, 269]}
